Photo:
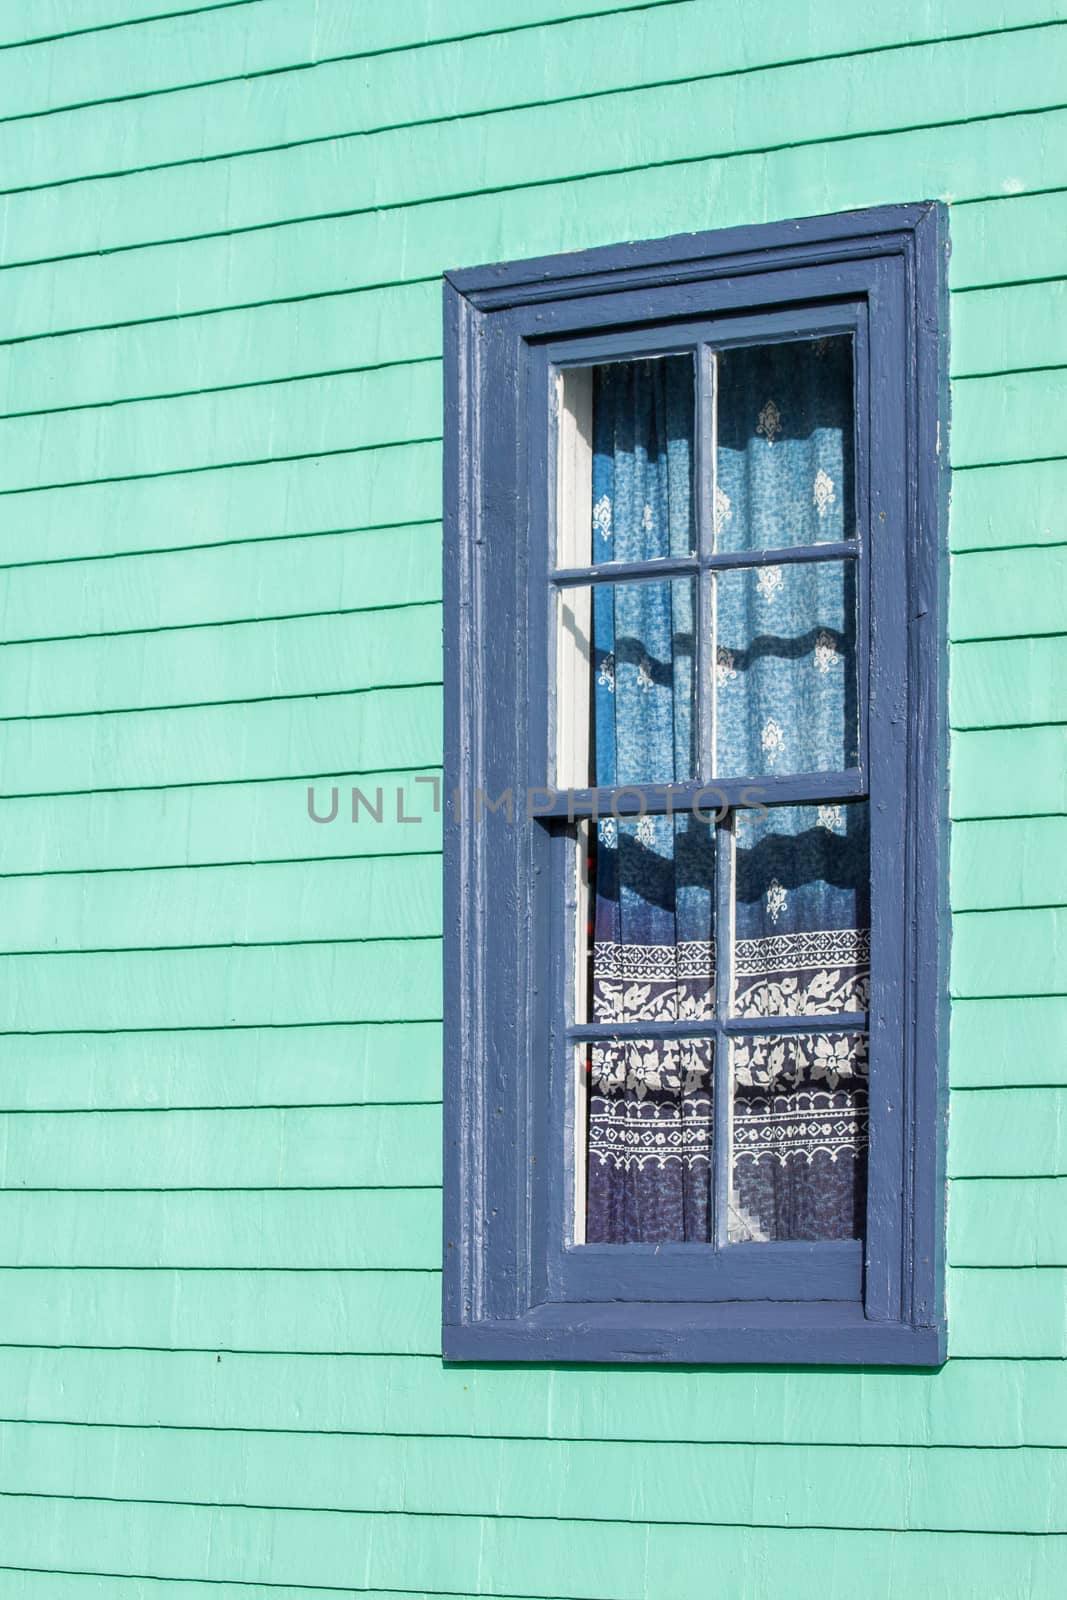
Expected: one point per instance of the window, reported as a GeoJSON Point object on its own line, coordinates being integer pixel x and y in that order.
{"type": "Point", "coordinates": [695, 907]}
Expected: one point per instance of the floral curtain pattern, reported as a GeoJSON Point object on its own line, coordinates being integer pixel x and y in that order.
{"type": "Point", "coordinates": [785, 701]}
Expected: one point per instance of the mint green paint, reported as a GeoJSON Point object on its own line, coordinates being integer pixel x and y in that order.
{"type": "Point", "coordinates": [219, 583]}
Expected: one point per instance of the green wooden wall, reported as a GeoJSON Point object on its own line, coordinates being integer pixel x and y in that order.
{"type": "Point", "coordinates": [222, 229]}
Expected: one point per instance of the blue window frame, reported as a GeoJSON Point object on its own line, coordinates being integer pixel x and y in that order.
{"type": "Point", "coordinates": [521, 1281]}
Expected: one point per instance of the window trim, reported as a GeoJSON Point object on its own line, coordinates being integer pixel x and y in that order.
{"type": "Point", "coordinates": [499, 1212]}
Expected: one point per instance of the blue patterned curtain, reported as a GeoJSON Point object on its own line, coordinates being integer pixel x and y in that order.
{"type": "Point", "coordinates": [649, 1104]}
{"type": "Point", "coordinates": [785, 701]}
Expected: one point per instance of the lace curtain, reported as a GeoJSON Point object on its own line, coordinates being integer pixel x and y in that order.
{"type": "Point", "coordinates": [785, 701]}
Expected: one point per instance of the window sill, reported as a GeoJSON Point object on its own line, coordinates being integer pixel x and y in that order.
{"type": "Point", "coordinates": [817, 1333]}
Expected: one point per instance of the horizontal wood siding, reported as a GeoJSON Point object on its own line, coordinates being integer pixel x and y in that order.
{"type": "Point", "coordinates": [223, 230]}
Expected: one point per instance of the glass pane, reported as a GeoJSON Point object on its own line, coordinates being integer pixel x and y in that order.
{"type": "Point", "coordinates": [651, 951]}
{"type": "Point", "coordinates": [649, 1141]}
{"type": "Point", "coordinates": [799, 1137]}
{"type": "Point", "coordinates": [802, 911]}
{"type": "Point", "coordinates": [625, 464]}
{"type": "Point", "coordinates": [625, 683]}
{"type": "Point", "coordinates": [785, 669]}
{"type": "Point", "coordinates": [784, 462]}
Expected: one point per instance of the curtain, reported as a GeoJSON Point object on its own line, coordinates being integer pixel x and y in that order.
{"type": "Point", "coordinates": [649, 1103]}
{"type": "Point", "coordinates": [785, 701]}
{"type": "Point", "coordinates": [801, 948]}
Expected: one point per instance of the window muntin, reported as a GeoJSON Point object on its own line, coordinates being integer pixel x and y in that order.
{"type": "Point", "coordinates": [746, 669]}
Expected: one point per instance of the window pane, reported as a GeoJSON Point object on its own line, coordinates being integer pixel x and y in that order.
{"type": "Point", "coordinates": [784, 464]}
{"type": "Point", "coordinates": [625, 469]}
{"type": "Point", "coordinates": [802, 911]}
{"type": "Point", "coordinates": [650, 923]}
{"type": "Point", "coordinates": [785, 669]}
{"type": "Point", "coordinates": [799, 1137]}
{"type": "Point", "coordinates": [649, 1141]}
{"type": "Point", "coordinates": [625, 683]}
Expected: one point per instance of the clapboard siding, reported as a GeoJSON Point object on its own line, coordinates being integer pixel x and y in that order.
{"type": "Point", "coordinates": [387, 246]}
{"type": "Point", "coordinates": [241, 582]}
{"type": "Point", "coordinates": [387, 980]}
{"type": "Point", "coordinates": [761, 1486]}
{"type": "Point", "coordinates": [220, 823]}
{"type": "Point", "coordinates": [533, 1558]}
{"type": "Point", "coordinates": [268, 660]}
{"type": "Point", "coordinates": [359, 94]}
{"type": "Point", "coordinates": [280, 35]}
{"type": "Point", "coordinates": [220, 1048]}
{"type": "Point", "coordinates": [1005, 72]}
{"type": "Point", "coordinates": [345, 1064]}
{"type": "Point", "coordinates": [257, 903]}
{"type": "Point", "coordinates": [408, 1394]}
{"type": "Point", "coordinates": [299, 736]}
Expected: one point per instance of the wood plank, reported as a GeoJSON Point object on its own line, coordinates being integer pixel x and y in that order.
{"type": "Point", "coordinates": [223, 583]}
{"type": "Point", "coordinates": [1002, 506]}
{"type": "Point", "coordinates": [404, 244]}
{"type": "Point", "coordinates": [224, 823]}
{"type": "Point", "coordinates": [1009, 772]}
{"type": "Point", "coordinates": [1008, 1133]}
{"type": "Point", "coordinates": [1007, 1311]}
{"type": "Point", "coordinates": [385, 405]}
{"type": "Point", "coordinates": [967, 1403]}
{"type": "Point", "coordinates": [980, 77]}
{"type": "Point", "coordinates": [43, 1584]}
{"type": "Point", "coordinates": [990, 256]}
{"type": "Point", "coordinates": [519, 1557]}
{"type": "Point", "coordinates": [393, 1227]}
{"type": "Point", "coordinates": [592, 54]}
{"type": "Point", "coordinates": [1000, 1042]}
{"type": "Point", "coordinates": [1002, 594]}
{"type": "Point", "coordinates": [356, 651]}
{"type": "Point", "coordinates": [1009, 952]}
{"type": "Point", "coordinates": [369, 897]}
{"type": "Point", "coordinates": [219, 744]}
{"type": "Point", "coordinates": [371, 488]}
{"type": "Point", "coordinates": [196, 49]}
{"type": "Point", "coordinates": [1008, 682]}
{"type": "Point", "coordinates": [345, 1065]}
{"type": "Point", "coordinates": [342, 1312]}
{"type": "Point", "coordinates": [759, 1485]}
{"type": "Point", "coordinates": [1011, 417]}
{"type": "Point", "coordinates": [391, 980]}
{"type": "Point", "coordinates": [209, 350]}
{"type": "Point", "coordinates": [295, 1148]}
{"type": "Point", "coordinates": [38, 21]}
{"type": "Point", "coordinates": [1008, 1222]}
{"type": "Point", "coordinates": [1004, 865]}
{"type": "Point", "coordinates": [1005, 329]}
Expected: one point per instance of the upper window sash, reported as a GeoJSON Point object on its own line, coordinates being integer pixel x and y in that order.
{"type": "Point", "coordinates": [556, 496]}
